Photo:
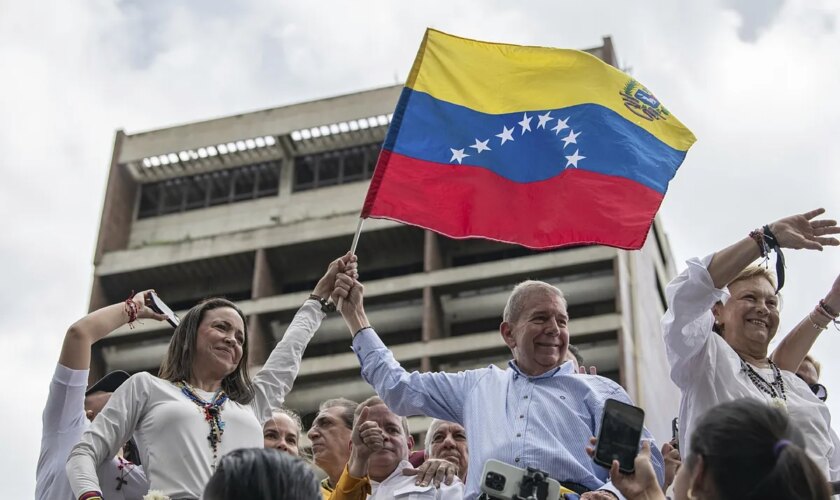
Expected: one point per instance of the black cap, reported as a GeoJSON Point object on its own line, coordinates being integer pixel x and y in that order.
{"type": "Point", "coordinates": [109, 382]}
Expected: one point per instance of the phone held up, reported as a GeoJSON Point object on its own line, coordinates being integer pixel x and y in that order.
{"type": "Point", "coordinates": [618, 439]}
{"type": "Point", "coordinates": [160, 307]}
{"type": "Point", "coordinates": [501, 481]}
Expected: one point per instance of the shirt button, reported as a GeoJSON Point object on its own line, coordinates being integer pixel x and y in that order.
{"type": "Point", "coordinates": [521, 416]}
{"type": "Point", "coordinates": [516, 459]}
{"type": "Point", "coordinates": [526, 397]}
{"type": "Point", "coordinates": [562, 397]}
{"type": "Point", "coordinates": [518, 434]}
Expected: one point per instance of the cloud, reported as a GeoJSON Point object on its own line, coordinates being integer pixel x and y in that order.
{"type": "Point", "coordinates": [755, 85]}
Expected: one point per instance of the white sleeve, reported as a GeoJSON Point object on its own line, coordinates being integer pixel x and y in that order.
{"type": "Point", "coordinates": [277, 376]}
{"type": "Point", "coordinates": [687, 324]}
{"type": "Point", "coordinates": [65, 408]}
{"type": "Point", "coordinates": [834, 459]}
{"type": "Point", "coordinates": [110, 429]}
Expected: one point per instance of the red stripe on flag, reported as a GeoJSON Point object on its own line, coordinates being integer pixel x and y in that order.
{"type": "Point", "coordinates": [575, 207]}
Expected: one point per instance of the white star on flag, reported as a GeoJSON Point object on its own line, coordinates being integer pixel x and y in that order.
{"type": "Point", "coordinates": [544, 119]}
{"type": "Point", "coordinates": [506, 135]}
{"type": "Point", "coordinates": [561, 124]}
{"type": "Point", "coordinates": [457, 154]}
{"type": "Point", "coordinates": [574, 159]}
{"type": "Point", "coordinates": [480, 145]}
{"type": "Point", "coordinates": [571, 138]}
{"type": "Point", "coordinates": [525, 123]}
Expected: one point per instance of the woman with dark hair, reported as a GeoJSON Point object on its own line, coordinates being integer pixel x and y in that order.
{"type": "Point", "coordinates": [740, 450]}
{"type": "Point", "coordinates": [262, 474]}
{"type": "Point", "coordinates": [722, 315]}
{"type": "Point", "coordinates": [204, 404]}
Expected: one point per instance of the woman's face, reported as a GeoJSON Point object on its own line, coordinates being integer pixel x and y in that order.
{"type": "Point", "coordinates": [219, 343]}
{"type": "Point", "coordinates": [282, 433]}
{"type": "Point", "coordinates": [751, 315]}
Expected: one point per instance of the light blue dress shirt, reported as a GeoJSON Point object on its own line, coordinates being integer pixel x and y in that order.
{"type": "Point", "coordinates": [543, 422]}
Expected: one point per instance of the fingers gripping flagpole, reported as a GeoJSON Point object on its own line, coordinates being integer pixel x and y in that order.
{"type": "Point", "coordinates": [352, 252]}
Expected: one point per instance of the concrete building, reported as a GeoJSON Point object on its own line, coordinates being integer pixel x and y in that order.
{"type": "Point", "coordinates": [254, 206]}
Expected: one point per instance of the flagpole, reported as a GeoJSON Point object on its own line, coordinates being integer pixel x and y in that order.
{"type": "Point", "coordinates": [352, 252]}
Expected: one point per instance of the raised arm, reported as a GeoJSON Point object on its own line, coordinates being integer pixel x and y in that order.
{"type": "Point", "coordinates": [799, 231]}
{"type": "Point", "coordinates": [274, 381]}
{"type": "Point", "coordinates": [435, 394]}
{"type": "Point", "coordinates": [75, 352]}
{"type": "Point", "coordinates": [792, 349]}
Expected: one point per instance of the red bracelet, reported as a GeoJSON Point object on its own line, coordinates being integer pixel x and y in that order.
{"type": "Point", "coordinates": [91, 495]}
{"type": "Point", "coordinates": [131, 309]}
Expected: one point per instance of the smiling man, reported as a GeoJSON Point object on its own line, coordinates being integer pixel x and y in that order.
{"type": "Point", "coordinates": [535, 413]}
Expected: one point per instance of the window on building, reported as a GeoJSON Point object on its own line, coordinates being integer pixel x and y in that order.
{"type": "Point", "coordinates": [335, 167]}
{"type": "Point", "coordinates": [206, 190]}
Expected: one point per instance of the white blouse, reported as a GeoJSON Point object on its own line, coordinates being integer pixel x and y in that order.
{"type": "Point", "coordinates": [708, 371]}
{"type": "Point", "coordinates": [171, 431]}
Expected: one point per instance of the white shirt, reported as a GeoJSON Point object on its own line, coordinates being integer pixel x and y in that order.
{"type": "Point", "coordinates": [400, 486]}
{"type": "Point", "coordinates": [708, 371]}
{"type": "Point", "coordinates": [64, 422]}
{"type": "Point", "coordinates": [171, 431]}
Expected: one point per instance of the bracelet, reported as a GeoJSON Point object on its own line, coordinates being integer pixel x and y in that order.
{"type": "Point", "coordinates": [758, 236]}
{"type": "Point", "coordinates": [829, 311]}
{"type": "Point", "coordinates": [91, 495]}
{"type": "Point", "coordinates": [772, 243]}
{"type": "Point", "coordinates": [131, 309]}
{"type": "Point", "coordinates": [814, 323]}
{"type": "Point", "coordinates": [326, 305]}
{"type": "Point", "coordinates": [360, 330]}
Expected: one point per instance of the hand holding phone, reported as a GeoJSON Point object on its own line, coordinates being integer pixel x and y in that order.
{"type": "Point", "coordinates": [159, 306]}
{"type": "Point", "coordinates": [618, 439]}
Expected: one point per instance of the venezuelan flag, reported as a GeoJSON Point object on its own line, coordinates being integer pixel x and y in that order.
{"type": "Point", "coordinates": [530, 145]}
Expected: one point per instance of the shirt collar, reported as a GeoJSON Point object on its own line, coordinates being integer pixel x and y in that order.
{"type": "Point", "coordinates": [564, 369]}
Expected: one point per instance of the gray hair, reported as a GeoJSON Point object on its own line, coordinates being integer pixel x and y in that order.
{"type": "Point", "coordinates": [430, 434]}
{"type": "Point", "coordinates": [348, 409]}
{"type": "Point", "coordinates": [515, 301]}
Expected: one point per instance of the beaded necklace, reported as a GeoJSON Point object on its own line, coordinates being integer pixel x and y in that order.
{"type": "Point", "coordinates": [212, 411]}
{"type": "Point", "coordinates": [124, 467]}
{"type": "Point", "coordinates": [775, 389]}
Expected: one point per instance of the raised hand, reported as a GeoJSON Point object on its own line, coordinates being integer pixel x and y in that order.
{"type": "Point", "coordinates": [802, 231]}
{"type": "Point", "coordinates": [346, 264]}
{"type": "Point", "coordinates": [433, 470]}
{"type": "Point", "coordinates": [642, 483]}
{"type": "Point", "coordinates": [143, 300]}
{"type": "Point", "coordinates": [367, 436]}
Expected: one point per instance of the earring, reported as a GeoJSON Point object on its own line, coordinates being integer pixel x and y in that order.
{"type": "Point", "coordinates": [690, 494]}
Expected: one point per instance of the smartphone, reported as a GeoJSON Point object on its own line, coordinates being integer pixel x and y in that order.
{"type": "Point", "coordinates": [502, 481]}
{"type": "Point", "coordinates": [675, 433]}
{"type": "Point", "coordinates": [160, 307]}
{"type": "Point", "coordinates": [618, 439]}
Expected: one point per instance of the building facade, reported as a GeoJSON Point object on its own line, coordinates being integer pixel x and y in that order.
{"type": "Point", "coordinates": [254, 206]}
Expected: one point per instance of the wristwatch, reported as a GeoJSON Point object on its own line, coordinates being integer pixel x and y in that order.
{"type": "Point", "coordinates": [326, 305]}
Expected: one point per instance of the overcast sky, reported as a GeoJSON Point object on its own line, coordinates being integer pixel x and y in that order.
{"type": "Point", "coordinates": [756, 81]}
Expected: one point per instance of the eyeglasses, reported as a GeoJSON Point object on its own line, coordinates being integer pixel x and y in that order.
{"type": "Point", "coordinates": [819, 391]}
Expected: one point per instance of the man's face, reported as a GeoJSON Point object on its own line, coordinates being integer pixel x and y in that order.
{"type": "Point", "coordinates": [396, 445]}
{"type": "Point", "coordinates": [808, 372]}
{"type": "Point", "coordinates": [449, 442]}
{"type": "Point", "coordinates": [330, 438]}
{"type": "Point", "coordinates": [95, 402]}
{"type": "Point", "coordinates": [539, 337]}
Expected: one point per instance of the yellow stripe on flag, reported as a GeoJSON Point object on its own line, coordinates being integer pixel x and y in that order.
{"type": "Point", "coordinates": [501, 78]}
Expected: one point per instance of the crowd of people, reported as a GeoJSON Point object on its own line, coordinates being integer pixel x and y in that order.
{"type": "Point", "coordinates": [754, 424]}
